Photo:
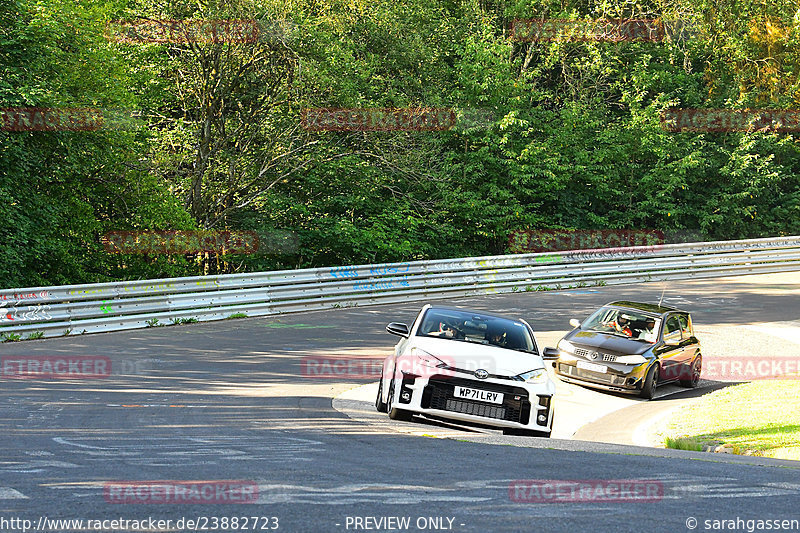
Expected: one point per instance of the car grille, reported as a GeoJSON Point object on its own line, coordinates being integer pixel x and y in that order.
{"type": "Point", "coordinates": [472, 373]}
{"type": "Point", "coordinates": [472, 408]}
{"type": "Point", "coordinates": [438, 394]}
{"type": "Point", "coordinates": [607, 357]}
{"type": "Point", "coordinates": [597, 377]}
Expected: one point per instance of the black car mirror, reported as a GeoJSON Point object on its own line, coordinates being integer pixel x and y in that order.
{"type": "Point", "coordinates": [397, 328]}
{"type": "Point", "coordinates": [574, 322]}
{"type": "Point", "coordinates": [550, 354]}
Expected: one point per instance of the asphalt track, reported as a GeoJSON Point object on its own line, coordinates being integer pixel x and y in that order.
{"type": "Point", "coordinates": [230, 401]}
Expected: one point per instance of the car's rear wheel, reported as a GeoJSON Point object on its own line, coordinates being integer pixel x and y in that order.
{"type": "Point", "coordinates": [394, 412]}
{"type": "Point", "coordinates": [650, 383]}
{"type": "Point", "coordinates": [380, 405]}
{"type": "Point", "coordinates": [695, 370]}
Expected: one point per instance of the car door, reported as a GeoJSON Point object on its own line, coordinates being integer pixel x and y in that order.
{"type": "Point", "coordinates": [671, 351]}
{"type": "Point", "coordinates": [688, 341]}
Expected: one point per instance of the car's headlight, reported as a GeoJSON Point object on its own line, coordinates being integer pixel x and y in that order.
{"type": "Point", "coordinates": [427, 359]}
{"type": "Point", "coordinates": [565, 346]}
{"type": "Point", "coordinates": [534, 376]}
{"type": "Point", "coordinates": [631, 359]}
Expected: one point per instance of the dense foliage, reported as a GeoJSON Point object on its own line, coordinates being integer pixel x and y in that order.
{"type": "Point", "coordinates": [574, 139]}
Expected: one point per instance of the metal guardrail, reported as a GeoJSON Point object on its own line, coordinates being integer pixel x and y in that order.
{"type": "Point", "coordinates": [91, 308]}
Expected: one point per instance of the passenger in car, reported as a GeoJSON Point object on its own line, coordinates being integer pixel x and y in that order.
{"type": "Point", "coordinates": [496, 337]}
{"type": "Point", "coordinates": [648, 333]}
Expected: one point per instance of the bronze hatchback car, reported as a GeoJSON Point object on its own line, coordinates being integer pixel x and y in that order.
{"type": "Point", "coordinates": [630, 347]}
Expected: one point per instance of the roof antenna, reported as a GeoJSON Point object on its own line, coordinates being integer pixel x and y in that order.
{"type": "Point", "coordinates": [662, 295]}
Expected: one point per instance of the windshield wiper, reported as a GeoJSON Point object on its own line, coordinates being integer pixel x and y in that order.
{"type": "Point", "coordinates": [616, 334]}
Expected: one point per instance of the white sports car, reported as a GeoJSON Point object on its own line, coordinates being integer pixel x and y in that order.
{"type": "Point", "coordinates": [468, 366]}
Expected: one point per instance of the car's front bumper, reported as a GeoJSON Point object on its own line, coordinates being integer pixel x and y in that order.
{"type": "Point", "coordinates": [617, 377]}
{"type": "Point", "coordinates": [525, 405]}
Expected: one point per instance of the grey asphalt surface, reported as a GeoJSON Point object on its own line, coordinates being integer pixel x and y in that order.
{"type": "Point", "coordinates": [229, 401]}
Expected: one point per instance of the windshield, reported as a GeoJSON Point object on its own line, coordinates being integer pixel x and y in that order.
{"type": "Point", "coordinates": [472, 327]}
{"type": "Point", "coordinates": [624, 323]}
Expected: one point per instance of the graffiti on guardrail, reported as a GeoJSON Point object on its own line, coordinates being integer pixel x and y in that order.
{"type": "Point", "coordinates": [393, 283]}
{"type": "Point", "coordinates": [548, 259]}
{"type": "Point", "coordinates": [25, 295]}
{"type": "Point", "coordinates": [378, 270]}
{"type": "Point", "coordinates": [381, 270]}
{"type": "Point", "coordinates": [343, 272]}
{"type": "Point", "coordinates": [142, 288]}
{"type": "Point", "coordinates": [37, 312]}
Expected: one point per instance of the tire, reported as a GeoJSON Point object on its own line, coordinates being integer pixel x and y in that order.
{"type": "Point", "coordinates": [650, 382]}
{"type": "Point", "coordinates": [380, 405]}
{"type": "Point", "coordinates": [526, 433]}
{"type": "Point", "coordinates": [394, 412]}
{"type": "Point", "coordinates": [400, 414]}
{"type": "Point", "coordinates": [695, 369]}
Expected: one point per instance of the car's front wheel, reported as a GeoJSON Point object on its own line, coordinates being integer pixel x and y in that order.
{"type": "Point", "coordinates": [694, 376]}
{"type": "Point", "coordinates": [526, 433]}
{"type": "Point", "coordinates": [394, 412]}
{"type": "Point", "coordinates": [650, 383]}
{"type": "Point", "coordinates": [380, 405]}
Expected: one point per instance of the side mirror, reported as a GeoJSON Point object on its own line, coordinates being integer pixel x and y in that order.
{"type": "Point", "coordinates": [396, 328]}
{"type": "Point", "coordinates": [574, 322]}
{"type": "Point", "coordinates": [550, 354]}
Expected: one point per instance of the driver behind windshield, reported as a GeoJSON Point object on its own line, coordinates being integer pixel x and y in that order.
{"type": "Point", "coordinates": [621, 324]}
{"type": "Point", "coordinates": [445, 330]}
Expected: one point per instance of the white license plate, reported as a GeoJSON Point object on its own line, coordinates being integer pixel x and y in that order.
{"type": "Point", "coordinates": [591, 366]}
{"type": "Point", "coordinates": [479, 395]}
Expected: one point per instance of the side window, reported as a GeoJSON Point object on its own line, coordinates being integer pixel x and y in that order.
{"type": "Point", "coordinates": [672, 329]}
{"type": "Point", "coordinates": [686, 326]}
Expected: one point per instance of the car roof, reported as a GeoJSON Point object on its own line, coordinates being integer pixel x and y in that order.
{"type": "Point", "coordinates": [649, 308]}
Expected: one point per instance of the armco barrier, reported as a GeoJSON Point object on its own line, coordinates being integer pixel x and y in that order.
{"type": "Point", "coordinates": [76, 309]}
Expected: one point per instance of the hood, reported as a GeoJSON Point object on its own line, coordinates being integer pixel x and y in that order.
{"type": "Point", "coordinates": [472, 356]}
{"type": "Point", "coordinates": [607, 342]}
